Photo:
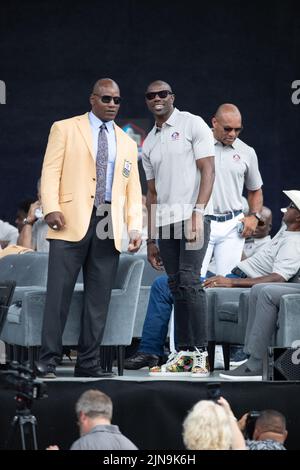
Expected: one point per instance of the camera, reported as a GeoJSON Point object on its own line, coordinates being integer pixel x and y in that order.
{"type": "Point", "coordinates": [214, 391]}
{"type": "Point", "coordinates": [250, 424]}
{"type": "Point", "coordinates": [22, 380]}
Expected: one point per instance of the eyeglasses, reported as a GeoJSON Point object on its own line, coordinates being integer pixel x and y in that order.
{"type": "Point", "coordinates": [107, 99]}
{"type": "Point", "coordinates": [162, 94]}
{"type": "Point", "coordinates": [235, 129]}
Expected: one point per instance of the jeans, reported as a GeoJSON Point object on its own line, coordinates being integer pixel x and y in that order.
{"type": "Point", "coordinates": [183, 266]}
{"type": "Point", "coordinates": [157, 319]}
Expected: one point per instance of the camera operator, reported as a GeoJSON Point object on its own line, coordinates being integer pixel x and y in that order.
{"type": "Point", "coordinates": [269, 430]}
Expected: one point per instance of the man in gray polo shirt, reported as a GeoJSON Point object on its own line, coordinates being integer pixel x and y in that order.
{"type": "Point", "coordinates": [236, 166]}
{"type": "Point", "coordinates": [178, 158]}
{"type": "Point", "coordinates": [278, 261]}
{"type": "Point", "coordinates": [94, 413]}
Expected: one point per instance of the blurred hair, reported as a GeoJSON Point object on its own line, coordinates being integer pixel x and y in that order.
{"type": "Point", "coordinates": [207, 427]}
{"type": "Point", "coordinates": [94, 403]}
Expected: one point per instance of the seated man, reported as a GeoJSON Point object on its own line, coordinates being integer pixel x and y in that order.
{"type": "Point", "coordinates": [22, 211]}
{"type": "Point", "coordinates": [264, 299]}
{"type": "Point", "coordinates": [8, 234]}
{"type": "Point", "coordinates": [34, 231]}
{"type": "Point", "coordinates": [277, 261]}
{"type": "Point", "coordinates": [261, 234]}
{"type": "Point", "coordinates": [264, 303]}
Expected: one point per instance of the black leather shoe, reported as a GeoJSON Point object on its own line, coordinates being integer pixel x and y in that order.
{"type": "Point", "coordinates": [140, 359]}
{"type": "Point", "coordinates": [91, 372]}
{"type": "Point", "coordinates": [45, 371]}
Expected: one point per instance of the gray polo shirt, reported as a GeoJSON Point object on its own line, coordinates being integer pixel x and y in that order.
{"type": "Point", "coordinates": [281, 255]}
{"type": "Point", "coordinates": [169, 157]}
{"type": "Point", "coordinates": [103, 437]}
{"type": "Point", "coordinates": [235, 166]}
{"type": "Point", "coordinates": [39, 234]}
{"type": "Point", "coordinates": [252, 245]}
{"type": "Point", "coordinates": [8, 233]}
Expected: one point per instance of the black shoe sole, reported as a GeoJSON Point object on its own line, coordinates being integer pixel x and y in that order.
{"type": "Point", "coordinates": [83, 373]}
{"type": "Point", "coordinates": [140, 366]}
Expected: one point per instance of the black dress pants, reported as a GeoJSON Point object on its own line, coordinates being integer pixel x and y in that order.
{"type": "Point", "coordinates": [99, 262]}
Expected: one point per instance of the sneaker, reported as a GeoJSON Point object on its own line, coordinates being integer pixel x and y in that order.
{"type": "Point", "coordinates": [140, 359]}
{"type": "Point", "coordinates": [237, 363]}
{"type": "Point", "coordinates": [238, 357]}
{"type": "Point", "coordinates": [158, 369]}
{"type": "Point", "coordinates": [178, 364]}
{"type": "Point", "coordinates": [200, 364]}
{"type": "Point", "coordinates": [242, 373]}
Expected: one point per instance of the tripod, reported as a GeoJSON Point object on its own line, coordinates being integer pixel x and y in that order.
{"type": "Point", "coordinates": [25, 422]}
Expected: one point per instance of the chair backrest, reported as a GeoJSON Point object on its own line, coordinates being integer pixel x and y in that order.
{"type": "Point", "coordinates": [149, 273]}
{"type": "Point", "coordinates": [122, 307]}
{"type": "Point", "coordinates": [28, 269]}
{"type": "Point", "coordinates": [7, 289]}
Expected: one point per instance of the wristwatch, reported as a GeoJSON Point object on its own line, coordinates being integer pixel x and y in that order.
{"type": "Point", "coordinates": [26, 222]}
{"type": "Point", "coordinates": [256, 214]}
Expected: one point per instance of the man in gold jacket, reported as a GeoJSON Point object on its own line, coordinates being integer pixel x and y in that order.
{"type": "Point", "coordinates": [90, 190]}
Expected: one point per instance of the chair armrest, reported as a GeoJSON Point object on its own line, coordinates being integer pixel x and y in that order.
{"type": "Point", "coordinates": [288, 320]}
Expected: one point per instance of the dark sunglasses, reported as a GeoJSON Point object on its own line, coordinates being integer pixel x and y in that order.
{"type": "Point", "coordinates": [293, 206]}
{"type": "Point", "coordinates": [162, 94]}
{"type": "Point", "coordinates": [230, 129]}
{"type": "Point", "coordinates": [107, 99]}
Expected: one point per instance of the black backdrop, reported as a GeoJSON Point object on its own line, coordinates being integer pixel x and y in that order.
{"type": "Point", "coordinates": [211, 52]}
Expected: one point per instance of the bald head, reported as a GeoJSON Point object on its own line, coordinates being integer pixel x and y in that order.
{"type": "Point", "coordinates": [227, 108]}
{"type": "Point", "coordinates": [159, 84]}
{"type": "Point", "coordinates": [227, 123]}
{"type": "Point", "coordinates": [270, 421]}
{"type": "Point", "coordinates": [104, 82]}
{"type": "Point", "coordinates": [265, 224]}
{"type": "Point", "coordinates": [105, 99]}
{"type": "Point", "coordinates": [266, 213]}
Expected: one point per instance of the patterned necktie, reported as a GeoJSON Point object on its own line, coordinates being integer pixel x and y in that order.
{"type": "Point", "coordinates": [101, 166]}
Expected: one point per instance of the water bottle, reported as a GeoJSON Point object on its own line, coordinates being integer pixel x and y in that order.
{"type": "Point", "coordinates": [240, 227]}
{"type": "Point", "coordinates": [38, 213]}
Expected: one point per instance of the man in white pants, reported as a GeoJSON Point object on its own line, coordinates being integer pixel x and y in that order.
{"type": "Point", "coordinates": [236, 166]}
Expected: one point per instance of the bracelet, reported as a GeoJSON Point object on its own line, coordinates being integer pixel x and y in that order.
{"type": "Point", "coordinates": [197, 209]}
{"type": "Point", "coordinates": [150, 240]}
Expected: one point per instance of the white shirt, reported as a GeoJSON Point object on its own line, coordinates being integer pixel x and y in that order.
{"type": "Point", "coordinates": [112, 149]}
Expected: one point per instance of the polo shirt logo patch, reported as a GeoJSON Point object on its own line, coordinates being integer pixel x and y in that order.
{"type": "Point", "coordinates": [175, 136]}
{"type": "Point", "coordinates": [126, 168]}
{"type": "Point", "coordinates": [236, 158]}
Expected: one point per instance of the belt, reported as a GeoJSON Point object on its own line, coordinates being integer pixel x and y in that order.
{"type": "Point", "coordinates": [238, 272]}
{"type": "Point", "coordinates": [224, 217]}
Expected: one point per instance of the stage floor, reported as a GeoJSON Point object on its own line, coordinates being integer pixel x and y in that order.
{"type": "Point", "coordinates": [66, 370]}
{"type": "Point", "coordinates": [149, 410]}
